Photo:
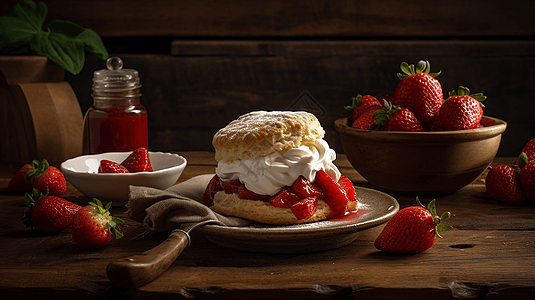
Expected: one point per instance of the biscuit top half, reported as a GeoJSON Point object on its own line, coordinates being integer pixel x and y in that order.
{"type": "Point", "coordinates": [261, 133]}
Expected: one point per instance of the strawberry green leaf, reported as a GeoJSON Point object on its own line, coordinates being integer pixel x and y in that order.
{"type": "Point", "coordinates": [523, 160]}
{"type": "Point", "coordinates": [432, 208]}
{"type": "Point", "coordinates": [443, 227]}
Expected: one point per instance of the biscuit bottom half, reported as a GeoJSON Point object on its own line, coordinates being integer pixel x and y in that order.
{"type": "Point", "coordinates": [264, 212]}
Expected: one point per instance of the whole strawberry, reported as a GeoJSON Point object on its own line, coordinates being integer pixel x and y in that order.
{"type": "Point", "coordinates": [529, 150]}
{"type": "Point", "coordinates": [395, 118]}
{"type": "Point", "coordinates": [359, 105]}
{"type": "Point", "coordinates": [48, 179]}
{"type": "Point", "coordinates": [413, 229]}
{"type": "Point", "coordinates": [419, 91]}
{"type": "Point", "coordinates": [48, 213]}
{"type": "Point", "coordinates": [527, 176]}
{"type": "Point", "coordinates": [21, 181]}
{"type": "Point", "coordinates": [138, 161]}
{"type": "Point", "coordinates": [367, 119]}
{"type": "Point", "coordinates": [93, 225]}
{"type": "Point", "coordinates": [462, 110]}
{"type": "Point", "coordinates": [503, 183]}
{"type": "Point", "coordinates": [107, 166]}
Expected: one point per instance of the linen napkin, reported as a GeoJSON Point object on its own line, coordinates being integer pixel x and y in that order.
{"type": "Point", "coordinates": [179, 206]}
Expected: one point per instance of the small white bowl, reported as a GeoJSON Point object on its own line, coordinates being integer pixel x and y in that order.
{"type": "Point", "coordinates": [82, 173]}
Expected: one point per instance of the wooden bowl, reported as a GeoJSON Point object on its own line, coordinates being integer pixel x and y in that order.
{"type": "Point", "coordinates": [420, 163]}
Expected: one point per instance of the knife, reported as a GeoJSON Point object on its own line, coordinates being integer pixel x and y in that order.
{"type": "Point", "coordinates": [140, 269]}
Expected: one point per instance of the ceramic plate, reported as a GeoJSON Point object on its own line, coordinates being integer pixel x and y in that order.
{"type": "Point", "coordinates": [374, 208]}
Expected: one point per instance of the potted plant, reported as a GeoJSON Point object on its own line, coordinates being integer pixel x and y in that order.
{"type": "Point", "coordinates": [41, 116]}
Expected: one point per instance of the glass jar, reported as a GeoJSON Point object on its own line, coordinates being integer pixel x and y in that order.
{"type": "Point", "coordinates": [116, 121]}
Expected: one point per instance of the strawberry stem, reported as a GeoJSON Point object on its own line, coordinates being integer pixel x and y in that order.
{"type": "Point", "coordinates": [431, 207]}
{"type": "Point", "coordinates": [112, 221]}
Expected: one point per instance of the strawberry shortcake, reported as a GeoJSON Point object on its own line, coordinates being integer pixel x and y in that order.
{"type": "Point", "coordinates": [276, 168]}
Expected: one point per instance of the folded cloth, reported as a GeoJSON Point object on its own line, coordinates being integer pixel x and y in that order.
{"type": "Point", "coordinates": [179, 206]}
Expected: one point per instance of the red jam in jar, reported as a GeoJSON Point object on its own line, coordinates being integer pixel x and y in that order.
{"type": "Point", "coordinates": [116, 121]}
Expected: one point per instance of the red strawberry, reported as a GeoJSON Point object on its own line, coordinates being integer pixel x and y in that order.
{"type": "Point", "coordinates": [527, 180]}
{"type": "Point", "coordinates": [231, 186]}
{"type": "Point", "coordinates": [284, 199]}
{"type": "Point", "coordinates": [348, 187]}
{"type": "Point", "coordinates": [303, 188]}
{"type": "Point", "coordinates": [108, 166]}
{"type": "Point", "coordinates": [213, 187]}
{"type": "Point", "coordinates": [244, 193]}
{"type": "Point", "coordinates": [359, 105]}
{"type": "Point", "coordinates": [138, 161]}
{"type": "Point", "coordinates": [48, 213]}
{"type": "Point", "coordinates": [527, 176]}
{"type": "Point", "coordinates": [335, 196]}
{"type": "Point", "coordinates": [419, 91]}
{"type": "Point", "coordinates": [529, 149]}
{"type": "Point", "coordinates": [20, 182]}
{"type": "Point", "coordinates": [503, 183]}
{"type": "Point", "coordinates": [413, 229]}
{"type": "Point", "coordinates": [485, 122]}
{"type": "Point", "coordinates": [366, 119]}
{"type": "Point", "coordinates": [462, 110]}
{"type": "Point", "coordinates": [48, 179]}
{"type": "Point", "coordinates": [93, 225]}
{"type": "Point", "coordinates": [386, 97]}
{"type": "Point", "coordinates": [395, 118]}
{"type": "Point", "coordinates": [305, 208]}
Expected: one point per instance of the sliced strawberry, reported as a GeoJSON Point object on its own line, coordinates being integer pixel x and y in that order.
{"type": "Point", "coordinates": [108, 166]}
{"type": "Point", "coordinates": [348, 187]}
{"type": "Point", "coordinates": [305, 208]}
{"type": "Point", "coordinates": [244, 193]}
{"type": "Point", "coordinates": [303, 188]}
{"type": "Point", "coordinates": [231, 186]}
{"type": "Point", "coordinates": [212, 188]}
{"type": "Point", "coordinates": [284, 199]}
{"type": "Point", "coordinates": [335, 196]}
{"type": "Point", "coordinates": [138, 161]}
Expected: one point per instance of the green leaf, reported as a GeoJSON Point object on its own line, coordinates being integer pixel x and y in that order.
{"type": "Point", "coordinates": [31, 12]}
{"type": "Point", "coordinates": [67, 53]}
{"type": "Point", "coordinates": [432, 208]}
{"type": "Point", "coordinates": [523, 160]}
{"type": "Point", "coordinates": [443, 227]}
{"type": "Point", "coordinates": [90, 40]}
{"type": "Point", "coordinates": [421, 66]}
{"type": "Point", "coordinates": [14, 33]}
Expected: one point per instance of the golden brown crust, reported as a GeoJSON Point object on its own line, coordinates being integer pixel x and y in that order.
{"type": "Point", "coordinates": [264, 212]}
{"type": "Point", "coordinates": [261, 133]}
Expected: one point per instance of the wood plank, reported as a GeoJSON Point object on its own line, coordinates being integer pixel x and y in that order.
{"type": "Point", "coordinates": [489, 254]}
{"type": "Point", "coordinates": [317, 18]}
{"type": "Point", "coordinates": [206, 84]}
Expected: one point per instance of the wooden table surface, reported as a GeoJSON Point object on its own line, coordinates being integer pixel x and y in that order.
{"type": "Point", "coordinates": [490, 254]}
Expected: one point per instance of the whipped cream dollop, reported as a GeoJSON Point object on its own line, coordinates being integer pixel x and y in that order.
{"type": "Point", "coordinates": [268, 175]}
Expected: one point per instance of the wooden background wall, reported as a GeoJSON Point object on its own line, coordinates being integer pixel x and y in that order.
{"type": "Point", "coordinates": [204, 63]}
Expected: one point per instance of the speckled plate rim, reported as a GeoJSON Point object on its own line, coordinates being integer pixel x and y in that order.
{"type": "Point", "coordinates": [375, 206]}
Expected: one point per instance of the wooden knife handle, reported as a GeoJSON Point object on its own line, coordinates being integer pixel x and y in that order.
{"type": "Point", "coordinates": [138, 270]}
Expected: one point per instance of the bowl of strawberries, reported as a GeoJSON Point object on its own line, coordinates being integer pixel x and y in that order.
{"type": "Point", "coordinates": [107, 176]}
{"type": "Point", "coordinates": [415, 141]}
